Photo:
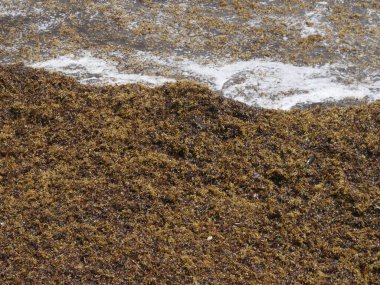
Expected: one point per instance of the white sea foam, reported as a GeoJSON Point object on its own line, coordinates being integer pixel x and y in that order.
{"type": "Point", "coordinates": [271, 84]}
{"type": "Point", "coordinates": [258, 82]}
{"type": "Point", "coordinates": [313, 22]}
{"type": "Point", "coordinates": [49, 24]}
{"type": "Point", "coordinates": [13, 8]}
{"type": "Point", "coordinates": [316, 22]}
{"type": "Point", "coordinates": [6, 12]}
{"type": "Point", "coordinates": [90, 69]}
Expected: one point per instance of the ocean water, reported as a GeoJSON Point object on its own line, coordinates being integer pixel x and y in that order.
{"type": "Point", "coordinates": [269, 54]}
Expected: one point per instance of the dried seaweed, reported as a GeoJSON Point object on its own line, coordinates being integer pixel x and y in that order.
{"type": "Point", "coordinates": [177, 185]}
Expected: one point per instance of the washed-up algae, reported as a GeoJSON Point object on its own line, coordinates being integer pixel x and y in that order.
{"type": "Point", "coordinates": [177, 185]}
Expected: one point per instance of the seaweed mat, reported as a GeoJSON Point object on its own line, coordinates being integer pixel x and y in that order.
{"type": "Point", "coordinates": [177, 185]}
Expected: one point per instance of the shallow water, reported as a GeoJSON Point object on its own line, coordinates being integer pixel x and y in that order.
{"type": "Point", "coordinates": [265, 53]}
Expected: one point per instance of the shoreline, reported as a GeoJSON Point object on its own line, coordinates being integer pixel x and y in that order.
{"type": "Point", "coordinates": [112, 77]}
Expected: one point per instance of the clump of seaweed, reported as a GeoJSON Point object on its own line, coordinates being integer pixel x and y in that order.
{"type": "Point", "coordinates": [177, 185]}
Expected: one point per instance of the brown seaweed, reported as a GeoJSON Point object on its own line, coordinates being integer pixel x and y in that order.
{"type": "Point", "coordinates": [177, 185]}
